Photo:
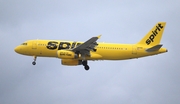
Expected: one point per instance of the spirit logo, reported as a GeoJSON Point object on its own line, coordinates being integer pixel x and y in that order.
{"type": "Point", "coordinates": [154, 34]}
{"type": "Point", "coordinates": [52, 45]}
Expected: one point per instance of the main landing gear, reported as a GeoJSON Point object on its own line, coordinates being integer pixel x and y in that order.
{"type": "Point", "coordinates": [84, 63]}
{"type": "Point", "coordinates": [34, 62]}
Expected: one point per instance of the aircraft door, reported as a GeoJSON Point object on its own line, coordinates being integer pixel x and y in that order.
{"type": "Point", "coordinates": [34, 45]}
{"type": "Point", "coordinates": [134, 49]}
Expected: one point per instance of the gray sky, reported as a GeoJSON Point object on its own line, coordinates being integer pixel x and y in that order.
{"type": "Point", "coordinates": [150, 80]}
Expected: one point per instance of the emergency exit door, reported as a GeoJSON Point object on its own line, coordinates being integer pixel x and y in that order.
{"type": "Point", "coordinates": [134, 49]}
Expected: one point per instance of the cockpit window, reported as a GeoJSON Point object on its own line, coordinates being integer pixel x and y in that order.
{"type": "Point", "coordinates": [24, 44]}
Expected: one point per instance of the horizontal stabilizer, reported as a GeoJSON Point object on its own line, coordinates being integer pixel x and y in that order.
{"type": "Point", "coordinates": [154, 48]}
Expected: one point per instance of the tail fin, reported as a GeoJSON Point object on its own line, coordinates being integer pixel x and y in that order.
{"type": "Point", "coordinates": [153, 37]}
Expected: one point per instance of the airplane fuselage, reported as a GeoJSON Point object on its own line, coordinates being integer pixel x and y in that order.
{"type": "Point", "coordinates": [106, 51]}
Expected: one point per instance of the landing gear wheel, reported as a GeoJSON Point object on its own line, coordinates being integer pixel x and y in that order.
{"type": "Point", "coordinates": [34, 63]}
{"type": "Point", "coordinates": [86, 67]}
{"type": "Point", "coordinates": [84, 63]}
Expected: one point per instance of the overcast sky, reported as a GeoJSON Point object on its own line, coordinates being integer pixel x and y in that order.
{"type": "Point", "coordinates": [150, 80]}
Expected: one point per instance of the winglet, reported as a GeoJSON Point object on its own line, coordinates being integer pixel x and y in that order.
{"type": "Point", "coordinates": [98, 36]}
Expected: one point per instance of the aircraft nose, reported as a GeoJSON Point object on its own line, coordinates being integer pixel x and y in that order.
{"type": "Point", "coordinates": [17, 49]}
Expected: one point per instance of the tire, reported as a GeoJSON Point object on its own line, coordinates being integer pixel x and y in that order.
{"type": "Point", "coordinates": [86, 67]}
{"type": "Point", "coordinates": [34, 63]}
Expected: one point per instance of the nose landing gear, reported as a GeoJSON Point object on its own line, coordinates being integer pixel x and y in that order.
{"type": "Point", "coordinates": [34, 62]}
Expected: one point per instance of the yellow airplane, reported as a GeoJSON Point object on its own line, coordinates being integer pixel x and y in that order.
{"type": "Point", "coordinates": [74, 53]}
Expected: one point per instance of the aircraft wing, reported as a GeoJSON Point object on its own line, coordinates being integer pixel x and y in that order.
{"type": "Point", "coordinates": [85, 48]}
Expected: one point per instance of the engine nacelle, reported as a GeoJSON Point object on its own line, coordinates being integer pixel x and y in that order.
{"type": "Point", "coordinates": [71, 62]}
{"type": "Point", "coordinates": [64, 54]}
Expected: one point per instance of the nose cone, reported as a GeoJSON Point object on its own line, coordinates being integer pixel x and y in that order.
{"type": "Point", "coordinates": [17, 49]}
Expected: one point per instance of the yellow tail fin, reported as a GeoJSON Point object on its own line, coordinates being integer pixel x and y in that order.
{"type": "Point", "coordinates": [153, 37]}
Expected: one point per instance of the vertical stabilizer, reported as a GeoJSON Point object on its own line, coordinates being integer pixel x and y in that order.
{"type": "Point", "coordinates": [153, 37]}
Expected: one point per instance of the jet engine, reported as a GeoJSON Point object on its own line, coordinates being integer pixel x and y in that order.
{"type": "Point", "coordinates": [71, 62]}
